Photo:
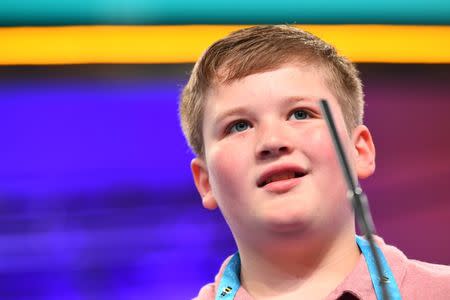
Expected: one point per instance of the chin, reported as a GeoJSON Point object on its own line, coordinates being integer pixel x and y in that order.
{"type": "Point", "coordinates": [288, 223]}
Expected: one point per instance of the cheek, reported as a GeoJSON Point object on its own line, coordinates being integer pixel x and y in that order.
{"type": "Point", "coordinates": [229, 165]}
{"type": "Point", "coordinates": [327, 169]}
{"type": "Point", "coordinates": [321, 148]}
{"type": "Point", "coordinates": [324, 160]}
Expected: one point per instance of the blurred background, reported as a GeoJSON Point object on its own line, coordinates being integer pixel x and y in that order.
{"type": "Point", "coordinates": [96, 196]}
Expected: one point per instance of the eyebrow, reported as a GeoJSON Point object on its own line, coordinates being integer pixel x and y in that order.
{"type": "Point", "coordinates": [295, 99]}
{"type": "Point", "coordinates": [234, 111]}
{"type": "Point", "coordinates": [242, 109]}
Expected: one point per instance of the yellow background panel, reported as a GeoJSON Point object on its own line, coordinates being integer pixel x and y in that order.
{"type": "Point", "coordinates": [184, 44]}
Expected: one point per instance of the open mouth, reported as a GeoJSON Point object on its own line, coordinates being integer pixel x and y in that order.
{"type": "Point", "coordinates": [279, 177]}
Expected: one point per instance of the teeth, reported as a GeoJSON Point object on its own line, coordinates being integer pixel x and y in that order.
{"type": "Point", "coordinates": [278, 177]}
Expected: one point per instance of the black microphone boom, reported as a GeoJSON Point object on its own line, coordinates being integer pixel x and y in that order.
{"type": "Point", "coordinates": [355, 194]}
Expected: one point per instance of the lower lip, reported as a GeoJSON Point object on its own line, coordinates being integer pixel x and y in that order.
{"type": "Point", "coordinates": [282, 186]}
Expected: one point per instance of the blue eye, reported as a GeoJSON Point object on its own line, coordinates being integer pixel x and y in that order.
{"type": "Point", "coordinates": [239, 126]}
{"type": "Point", "coordinates": [299, 114]}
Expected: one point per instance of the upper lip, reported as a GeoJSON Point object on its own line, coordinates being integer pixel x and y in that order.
{"type": "Point", "coordinates": [280, 169]}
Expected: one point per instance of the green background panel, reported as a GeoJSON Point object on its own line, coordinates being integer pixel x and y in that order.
{"type": "Point", "coordinates": [52, 12]}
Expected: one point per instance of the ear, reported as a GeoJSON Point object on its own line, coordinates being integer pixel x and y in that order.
{"type": "Point", "coordinates": [201, 179]}
{"type": "Point", "coordinates": [364, 152]}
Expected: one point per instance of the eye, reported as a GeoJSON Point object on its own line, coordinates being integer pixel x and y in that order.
{"type": "Point", "coordinates": [238, 126]}
{"type": "Point", "coordinates": [300, 114]}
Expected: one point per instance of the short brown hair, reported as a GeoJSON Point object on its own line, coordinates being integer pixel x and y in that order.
{"type": "Point", "coordinates": [259, 49]}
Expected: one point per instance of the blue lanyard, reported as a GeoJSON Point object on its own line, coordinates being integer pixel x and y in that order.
{"type": "Point", "coordinates": [230, 282]}
{"type": "Point", "coordinates": [387, 277]}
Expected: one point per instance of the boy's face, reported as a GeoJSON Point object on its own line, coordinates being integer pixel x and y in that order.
{"type": "Point", "coordinates": [269, 162]}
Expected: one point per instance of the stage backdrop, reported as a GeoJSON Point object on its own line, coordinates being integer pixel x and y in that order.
{"type": "Point", "coordinates": [97, 200]}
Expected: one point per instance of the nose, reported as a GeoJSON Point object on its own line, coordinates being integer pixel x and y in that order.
{"type": "Point", "coordinates": [273, 142]}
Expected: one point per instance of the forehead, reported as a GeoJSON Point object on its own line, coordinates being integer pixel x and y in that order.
{"type": "Point", "coordinates": [291, 80]}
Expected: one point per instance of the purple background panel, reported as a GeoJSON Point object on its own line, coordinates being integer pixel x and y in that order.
{"type": "Point", "coordinates": [408, 112]}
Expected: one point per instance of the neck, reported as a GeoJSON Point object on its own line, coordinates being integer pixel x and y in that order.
{"type": "Point", "coordinates": [308, 268]}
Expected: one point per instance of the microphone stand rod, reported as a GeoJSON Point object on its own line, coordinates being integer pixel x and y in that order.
{"type": "Point", "coordinates": [355, 194]}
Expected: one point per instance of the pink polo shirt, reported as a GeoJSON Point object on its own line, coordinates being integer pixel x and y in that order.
{"type": "Point", "coordinates": [416, 280]}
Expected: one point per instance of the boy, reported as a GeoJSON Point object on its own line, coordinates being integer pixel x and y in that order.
{"type": "Point", "coordinates": [264, 156]}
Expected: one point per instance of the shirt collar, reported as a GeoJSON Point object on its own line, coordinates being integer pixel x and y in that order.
{"type": "Point", "coordinates": [358, 283]}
